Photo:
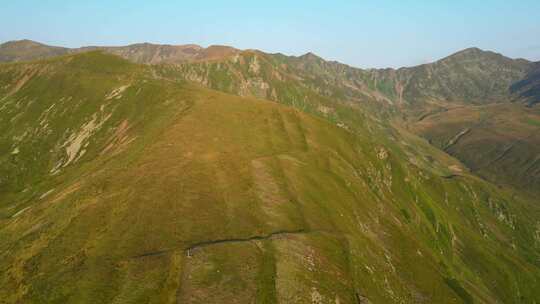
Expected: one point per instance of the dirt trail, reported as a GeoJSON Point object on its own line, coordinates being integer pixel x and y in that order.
{"type": "Point", "coordinates": [248, 239]}
{"type": "Point", "coordinates": [201, 244]}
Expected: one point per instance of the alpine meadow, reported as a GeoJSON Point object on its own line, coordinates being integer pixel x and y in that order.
{"type": "Point", "coordinates": [180, 173]}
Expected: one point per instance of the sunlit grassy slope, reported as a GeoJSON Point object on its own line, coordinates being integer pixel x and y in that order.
{"type": "Point", "coordinates": [118, 186]}
{"type": "Point", "coordinates": [500, 142]}
{"type": "Point", "coordinates": [471, 81]}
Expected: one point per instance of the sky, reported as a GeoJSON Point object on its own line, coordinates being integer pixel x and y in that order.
{"type": "Point", "coordinates": [366, 34]}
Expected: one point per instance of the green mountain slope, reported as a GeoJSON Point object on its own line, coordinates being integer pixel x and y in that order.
{"type": "Point", "coordinates": [120, 186]}
{"type": "Point", "coordinates": [500, 142]}
{"type": "Point", "coordinates": [529, 87]}
{"type": "Point", "coordinates": [466, 91]}
{"type": "Point", "coordinates": [470, 76]}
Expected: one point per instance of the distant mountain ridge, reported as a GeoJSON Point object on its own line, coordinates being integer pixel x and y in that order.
{"type": "Point", "coordinates": [471, 75]}
{"type": "Point", "coordinates": [146, 53]}
{"type": "Point", "coordinates": [25, 50]}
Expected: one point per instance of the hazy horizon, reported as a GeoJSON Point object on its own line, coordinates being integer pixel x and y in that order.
{"type": "Point", "coordinates": [362, 34]}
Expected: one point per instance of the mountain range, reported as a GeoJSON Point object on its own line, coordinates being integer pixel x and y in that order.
{"type": "Point", "coordinates": [182, 174]}
{"type": "Point", "coordinates": [471, 75]}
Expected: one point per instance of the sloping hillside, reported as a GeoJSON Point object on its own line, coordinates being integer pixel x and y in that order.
{"type": "Point", "coordinates": [120, 186]}
{"type": "Point", "coordinates": [500, 142]}
{"type": "Point", "coordinates": [529, 87]}
{"type": "Point", "coordinates": [466, 91]}
{"type": "Point", "coordinates": [471, 76]}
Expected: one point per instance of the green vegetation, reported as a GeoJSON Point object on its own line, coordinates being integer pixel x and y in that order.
{"type": "Point", "coordinates": [533, 122]}
{"type": "Point", "coordinates": [463, 294]}
{"type": "Point", "coordinates": [499, 142]}
{"type": "Point", "coordinates": [129, 184]}
{"type": "Point", "coordinates": [437, 101]}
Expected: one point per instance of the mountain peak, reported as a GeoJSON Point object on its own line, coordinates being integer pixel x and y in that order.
{"type": "Point", "coordinates": [472, 51]}
{"type": "Point", "coordinates": [21, 43]}
{"type": "Point", "coordinates": [477, 55]}
{"type": "Point", "coordinates": [22, 50]}
{"type": "Point", "coordinates": [311, 56]}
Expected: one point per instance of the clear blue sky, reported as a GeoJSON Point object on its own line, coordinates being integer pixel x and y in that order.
{"type": "Point", "coordinates": [356, 32]}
